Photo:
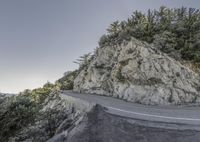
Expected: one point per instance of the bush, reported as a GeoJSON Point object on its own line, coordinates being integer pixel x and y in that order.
{"type": "Point", "coordinates": [165, 41]}
{"type": "Point", "coordinates": [174, 31]}
{"type": "Point", "coordinates": [192, 53]}
{"type": "Point", "coordinates": [120, 77]}
{"type": "Point", "coordinates": [124, 35]}
{"type": "Point", "coordinates": [103, 40]}
{"type": "Point", "coordinates": [51, 119]}
{"type": "Point", "coordinates": [67, 81]}
{"type": "Point", "coordinates": [16, 113]}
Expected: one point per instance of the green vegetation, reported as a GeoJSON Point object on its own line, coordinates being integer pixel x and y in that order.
{"type": "Point", "coordinates": [26, 112]}
{"type": "Point", "coordinates": [40, 94]}
{"type": "Point", "coordinates": [119, 76]}
{"type": "Point", "coordinates": [17, 112]}
{"type": "Point", "coordinates": [154, 81]}
{"type": "Point", "coordinates": [46, 122]}
{"type": "Point", "coordinates": [67, 81]}
{"type": "Point", "coordinates": [173, 31]}
{"type": "Point", "coordinates": [84, 61]}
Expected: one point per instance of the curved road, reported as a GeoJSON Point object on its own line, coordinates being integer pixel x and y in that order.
{"type": "Point", "coordinates": [167, 114]}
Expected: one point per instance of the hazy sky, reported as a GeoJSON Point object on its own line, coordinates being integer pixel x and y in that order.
{"type": "Point", "coordinates": [40, 39]}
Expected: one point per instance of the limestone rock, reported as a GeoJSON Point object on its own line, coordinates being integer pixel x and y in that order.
{"type": "Point", "coordinates": [137, 72]}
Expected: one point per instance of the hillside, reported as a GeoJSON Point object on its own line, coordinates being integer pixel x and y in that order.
{"type": "Point", "coordinates": [151, 58]}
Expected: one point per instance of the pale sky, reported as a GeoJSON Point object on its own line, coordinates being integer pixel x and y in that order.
{"type": "Point", "coordinates": [40, 39]}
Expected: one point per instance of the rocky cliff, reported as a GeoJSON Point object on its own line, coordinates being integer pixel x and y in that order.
{"type": "Point", "coordinates": [136, 71]}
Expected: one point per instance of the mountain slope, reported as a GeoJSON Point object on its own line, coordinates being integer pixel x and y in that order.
{"type": "Point", "coordinates": [136, 71]}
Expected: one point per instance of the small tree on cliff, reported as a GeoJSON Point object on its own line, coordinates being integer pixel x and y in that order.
{"type": "Point", "coordinates": [83, 61]}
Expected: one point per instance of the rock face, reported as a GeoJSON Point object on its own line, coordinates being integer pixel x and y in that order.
{"type": "Point", "coordinates": [135, 71]}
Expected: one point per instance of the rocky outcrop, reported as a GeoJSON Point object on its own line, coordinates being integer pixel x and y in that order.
{"type": "Point", "coordinates": [135, 71]}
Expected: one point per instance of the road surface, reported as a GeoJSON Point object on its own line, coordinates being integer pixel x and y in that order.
{"type": "Point", "coordinates": [167, 114]}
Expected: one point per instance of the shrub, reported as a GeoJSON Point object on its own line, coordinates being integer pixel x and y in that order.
{"type": "Point", "coordinates": [124, 35]}
{"type": "Point", "coordinates": [165, 41]}
{"type": "Point", "coordinates": [120, 77]}
{"type": "Point", "coordinates": [154, 81]}
{"type": "Point", "coordinates": [67, 81]}
{"type": "Point", "coordinates": [174, 31]}
{"type": "Point", "coordinates": [103, 40]}
{"type": "Point", "coordinates": [15, 113]}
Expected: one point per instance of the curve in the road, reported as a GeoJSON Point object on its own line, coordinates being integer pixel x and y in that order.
{"type": "Point", "coordinates": [151, 115]}
{"type": "Point", "coordinates": [178, 115]}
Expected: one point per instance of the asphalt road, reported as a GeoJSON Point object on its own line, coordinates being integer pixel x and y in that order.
{"type": "Point", "coordinates": [165, 114]}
